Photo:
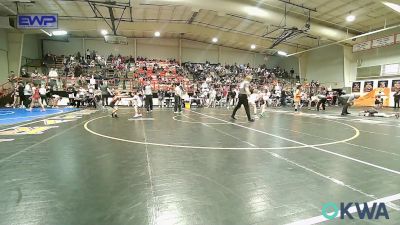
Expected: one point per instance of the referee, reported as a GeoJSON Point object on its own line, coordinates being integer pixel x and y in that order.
{"type": "Point", "coordinates": [244, 91]}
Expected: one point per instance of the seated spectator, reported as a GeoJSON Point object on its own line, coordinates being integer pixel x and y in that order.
{"type": "Point", "coordinates": [24, 73]}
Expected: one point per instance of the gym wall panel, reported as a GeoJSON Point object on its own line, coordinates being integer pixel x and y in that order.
{"type": "Point", "coordinates": [3, 40]}
{"type": "Point", "coordinates": [378, 56]}
{"type": "Point", "coordinates": [261, 59]}
{"type": "Point", "coordinates": [3, 67]}
{"type": "Point", "coordinates": [232, 56]}
{"type": "Point", "coordinates": [197, 52]}
{"type": "Point", "coordinates": [73, 46]}
{"type": "Point", "coordinates": [289, 63]}
{"type": "Point", "coordinates": [350, 66]}
{"type": "Point", "coordinates": [32, 47]}
{"type": "Point", "coordinates": [326, 65]}
{"type": "Point", "coordinates": [286, 63]}
{"type": "Point", "coordinates": [103, 48]}
{"type": "Point", "coordinates": [158, 48]}
{"type": "Point", "coordinates": [3, 56]}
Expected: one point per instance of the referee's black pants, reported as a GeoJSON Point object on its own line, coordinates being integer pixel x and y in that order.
{"type": "Point", "coordinates": [149, 102]}
{"type": "Point", "coordinates": [242, 101]}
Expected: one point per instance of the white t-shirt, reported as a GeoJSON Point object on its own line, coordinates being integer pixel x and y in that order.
{"type": "Point", "coordinates": [42, 91]}
{"type": "Point", "coordinates": [53, 74]}
{"type": "Point", "coordinates": [253, 98]}
{"type": "Point", "coordinates": [178, 91]}
{"type": "Point", "coordinates": [213, 94]}
{"type": "Point", "coordinates": [244, 87]}
{"type": "Point", "coordinates": [147, 90]}
{"type": "Point", "coordinates": [28, 90]}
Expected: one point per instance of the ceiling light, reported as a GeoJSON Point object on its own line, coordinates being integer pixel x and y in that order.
{"type": "Point", "coordinates": [393, 6]}
{"type": "Point", "coordinates": [282, 53]}
{"type": "Point", "coordinates": [59, 32]}
{"type": "Point", "coordinates": [255, 11]}
{"type": "Point", "coordinates": [104, 32]}
{"type": "Point", "coordinates": [215, 40]}
{"type": "Point", "coordinates": [48, 34]}
{"type": "Point", "coordinates": [350, 18]}
{"type": "Point", "coordinates": [253, 46]}
{"type": "Point", "coordinates": [157, 34]}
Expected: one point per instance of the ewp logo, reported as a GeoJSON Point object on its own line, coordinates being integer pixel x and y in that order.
{"type": "Point", "coordinates": [36, 21]}
{"type": "Point", "coordinates": [374, 211]}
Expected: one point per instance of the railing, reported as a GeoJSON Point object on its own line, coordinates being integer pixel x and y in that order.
{"type": "Point", "coordinates": [123, 84]}
{"type": "Point", "coordinates": [6, 89]}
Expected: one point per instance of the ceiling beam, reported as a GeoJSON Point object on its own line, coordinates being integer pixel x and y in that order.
{"type": "Point", "coordinates": [60, 6]}
{"type": "Point", "coordinates": [178, 28]}
{"type": "Point", "coordinates": [8, 9]}
{"type": "Point", "coordinates": [192, 18]}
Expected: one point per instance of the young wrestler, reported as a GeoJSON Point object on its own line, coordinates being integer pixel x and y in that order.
{"type": "Point", "coordinates": [264, 101]}
{"type": "Point", "coordinates": [297, 98]}
{"type": "Point", "coordinates": [136, 103]}
{"type": "Point", "coordinates": [36, 99]}
{"type": "Point", "coordinates": [378, 102]}
{"type": "Point", "coordinates": [253, 100]}
{"type": "Point", "coordinates": [114, 104]}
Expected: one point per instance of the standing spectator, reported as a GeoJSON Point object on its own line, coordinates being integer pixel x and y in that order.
{"type": "Point", "coordinates": [16, 96]}
{"type": "Point", "coordinates": [212, 100]}
{"type": "Point", "coordinates": [160, 96]}
{"type": "Point", "coordinates": [321, 101]}
{"type": "Point", "coordinates": [24, 73]}
{"type": "Point", "coordinates": [93, 55]}
{"type": "Point", "coordinates": [35, 74]}
{"type": "Point", "coordinates": [148, 92]}
{"type": "Point", "coordinates": [87, 54]}
{"type": "Point", "coordinates": [92, 81]}
{"type": "Point", "coordinates": [53, 76]}
{"type": "Point", "coordinates": [21, 89]}
{"type": "Point", "coordinates": [78, 70]}
{"type": "Point", "coordinates": [12, 78]}
{"type": "Point", "coordinates": [27, 94]}
{"type": "Point", "coordinates": [43, 95]}
{"type": "Point", "coordinates": [71, 95]}
{"type": "Point", "coordinates": [397, 99]}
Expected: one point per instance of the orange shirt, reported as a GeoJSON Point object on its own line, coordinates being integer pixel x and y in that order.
{"type": "Point", "coordinates": [297, 96]}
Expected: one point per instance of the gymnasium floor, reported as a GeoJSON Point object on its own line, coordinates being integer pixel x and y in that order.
{"type": "Point", "coordinates": [87, 168]}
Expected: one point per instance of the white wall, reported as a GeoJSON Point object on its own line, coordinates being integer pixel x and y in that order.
{"type": "Point", "coordinates": [3, 56]}
{"type": "Point", "coordinates": [378, 56]}
{"type": "Point", "coordinates": [197, 52]}
{"type": "Point", "coordinates": [73, 46]}
{"type": "Point", "coordinates": [32, 47]}
{"type": "Point", "coordinates": [286, 63]}
{"type": "Point", "coordinates": [157, 48]}
{"type": "Point", "coordinates": [349, 66]}
{"type": "Point", "coordinates": [232, 56]}
{"type": "Point", "coordinates": [325, 65]}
